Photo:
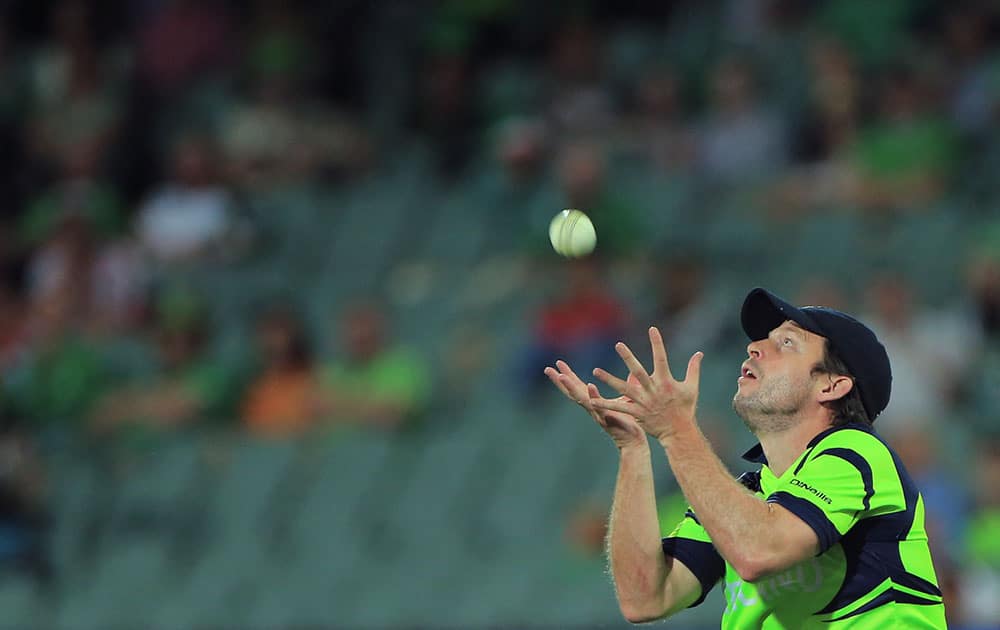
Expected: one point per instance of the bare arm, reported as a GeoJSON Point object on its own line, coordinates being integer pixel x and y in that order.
{"type": "Point", "coordinates": [757, 538]}
{"type": "Point", "coordinates": [649, 585]}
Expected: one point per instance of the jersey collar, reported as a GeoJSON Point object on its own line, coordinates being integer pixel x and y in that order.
{"type": "Point", "coordinates": [756, 453]}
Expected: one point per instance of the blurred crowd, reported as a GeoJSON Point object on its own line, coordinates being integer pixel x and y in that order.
{"type": "Point", "coordinates": [137, 135]}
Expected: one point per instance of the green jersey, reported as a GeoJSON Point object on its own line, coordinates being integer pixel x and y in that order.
{"type": "Point", "coordinates": [874, 568]}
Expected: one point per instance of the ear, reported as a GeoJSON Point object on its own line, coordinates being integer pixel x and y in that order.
{"type": "Point", "coordinates": [834, 387]}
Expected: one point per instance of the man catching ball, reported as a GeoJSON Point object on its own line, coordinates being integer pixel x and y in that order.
{"type": "Point", "coordinates": [829, 533]}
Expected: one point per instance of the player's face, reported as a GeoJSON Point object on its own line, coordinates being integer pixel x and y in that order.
{"type": "Point", "coordinates": [776, 380]}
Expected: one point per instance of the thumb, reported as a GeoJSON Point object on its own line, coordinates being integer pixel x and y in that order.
{"type": "Point", "coordinates": [693, 375]}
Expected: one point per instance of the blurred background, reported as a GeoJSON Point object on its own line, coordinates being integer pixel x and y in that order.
{"type": "Point", "coordinates": [276, 290]}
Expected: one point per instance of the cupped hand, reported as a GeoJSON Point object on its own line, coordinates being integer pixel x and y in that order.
{"type": "Point", "coordinates": [619, 424]}
{"type": "Point", "coordinates": [657, 401]}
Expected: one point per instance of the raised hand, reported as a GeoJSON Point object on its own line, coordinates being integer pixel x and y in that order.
{"type": "Point", "coordinates": [620, 425]}
{"type": "Point", "coordinates": [657, 401]}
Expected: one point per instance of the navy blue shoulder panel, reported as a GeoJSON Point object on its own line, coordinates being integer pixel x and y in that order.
{"type": "Point", "coordinates": [699, 556]}
{"type": "Point", "coordinates": [891, 595]}
{"type": "Point", "coordinates": [871, 547]}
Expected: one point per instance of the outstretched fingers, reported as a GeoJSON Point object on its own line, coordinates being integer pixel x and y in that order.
{"type": "Point", "coordinates": [566, 369]}
{"type": "Point", "coordinates": [693, 374]}
{"type": "Point", "coordinates": [660, 364]}
{"type": "Point", "coordinates": [567, 381]}
{"type": "Point", "coordinates": [557, 380]}
{"type": "Point", "coordinates": [598, 402]}
{"type": "Point", "coordinates": [634, 367]}
{"type": "Point", "coordinates": [612, 381]}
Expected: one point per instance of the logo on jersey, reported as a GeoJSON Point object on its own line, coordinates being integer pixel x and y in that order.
{"type": "Point", "coordinates": [819, 494]}
{"type": "Point", "coordinates": [800, 584]}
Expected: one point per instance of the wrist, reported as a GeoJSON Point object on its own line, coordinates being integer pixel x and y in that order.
{"type": "Point", "coordinates": [635, 448]}
{"type": "Point", "coordinates": [682, 430]}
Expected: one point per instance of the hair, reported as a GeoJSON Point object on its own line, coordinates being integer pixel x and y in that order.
{"type": "Point", "coordinates": [846, 409]}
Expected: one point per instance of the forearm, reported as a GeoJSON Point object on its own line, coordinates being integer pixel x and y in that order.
{"type": "Point", "coordinates": [738, 522]}
{"type": "Point", "coordinates": [634, 544]}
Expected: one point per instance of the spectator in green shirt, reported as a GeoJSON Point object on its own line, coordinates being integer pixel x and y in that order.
{"type": "Point", "coordinates": [982, 545]}
{"type": "Point", "coordinates": [60, 374]}
{"type": "Point", "coordinates": [375, 382]}
{"type": "Point", "coordinates": [189, 385]}
{"type": "Point", "coordinates": [903, 160]}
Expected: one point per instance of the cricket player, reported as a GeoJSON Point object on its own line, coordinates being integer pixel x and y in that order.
{"type": "Point", "coordinates": [828, 533]}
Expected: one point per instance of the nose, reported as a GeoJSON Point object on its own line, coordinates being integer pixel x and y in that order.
{"type": "Point", "coordinates": [753, 349]}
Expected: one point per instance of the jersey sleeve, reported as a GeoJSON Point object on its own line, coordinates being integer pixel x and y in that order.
{"type": "Point", "coordinates": [842, 480]}
{"type": "Point", "coordinates": [690, 544]}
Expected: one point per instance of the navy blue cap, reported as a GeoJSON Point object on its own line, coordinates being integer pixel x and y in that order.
{"type": "Point", "coordinates": [862, 353]}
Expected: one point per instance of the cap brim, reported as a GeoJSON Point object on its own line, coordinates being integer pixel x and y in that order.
{"type": "Point", "coordinates": [763, 311]}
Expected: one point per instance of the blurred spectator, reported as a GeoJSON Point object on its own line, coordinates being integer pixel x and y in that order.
{"type": "Point", "coordinates": [188, 387]}
{"type": "Point", "coordinates": [835, 93]}
{"type": "Point", "coordinates": [447, 116]}
{"type": "Point", "coordinates": [580, 325]}
{"type": "Point", "coordinates": [24, 519]}
{"type": "Point", "coordinates": [584, 179]}
{"type": "Point", "coordinates": [522, 145]}
{"type": "Point", "coordinates": [75, 99]}
{"type": "Point", "coordinates": [984, 284]}
{"type": "Point", "coordinates": [969, 67]}
{"type": "Point", "coordinates": [581, 555]}
{"type": "Point", "coordinates": [268, 144]}
{"type": "Point", "coordinates": [946, 503]}
{"type": "Point", "coordinates": [822, 291]}
{"type": "Point", "coordinates": [376, 382]}
{"type": "Point", "coordinates": [981, 579]}
{"type": "Point", "coordinates": [579, 103]}
{"type": "Point", "coordinates": [689, 314]}
{"type": "Point", "coordinates": [280, 401]}
{"type": "Point", "coordinates": [61, 268]}
{"type": "Point", "coordinates": [281, 134]}
{"type": "Point", "coordinates": [982, 387]}
{"type": "Point", "coordinates": [904, 158]}
{"type": "Point", "coordinates": [740, 141]}
{"type": "Point", "coordinates": [190, 216]}
{"type": "Point", "coordinates": [182, 41]}
{"type": "Point", "coordinates": [59, 375]}
{"type": "Point", "coordinates": [827, 134]}
{"type": "Point", "coordinates": [659, 132]}
{"type": "Point", "coordinates": [82, 191]}
{"type": "Point", "coordinates": [261, 132]}
{"type": "Point", "coordinates": [586, 530]}
{"type": "Point", "coordinates": [930, 351]}
{"type": "Point", "coordinates": [522, 195]}
{"type": "Point", "coordinates": [75, 228]}
{"type": "Point", "coordinates": [278, 41]}
{"type": "Point", "coordinates": [879, 34]}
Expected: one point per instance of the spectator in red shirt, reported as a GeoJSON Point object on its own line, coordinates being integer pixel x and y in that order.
{"type": "Point", "coordinates": [582, 324]}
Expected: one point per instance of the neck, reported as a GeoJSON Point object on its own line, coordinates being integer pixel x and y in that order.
{"type": "Point", "coordinates": [782, 448]}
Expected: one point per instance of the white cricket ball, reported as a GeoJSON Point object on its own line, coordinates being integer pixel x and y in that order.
{"type": "Point", "coordinates": [572, 234]}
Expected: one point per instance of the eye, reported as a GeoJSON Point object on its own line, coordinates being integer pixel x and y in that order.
{"type": "Point", "coordinates": [787, 341]}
